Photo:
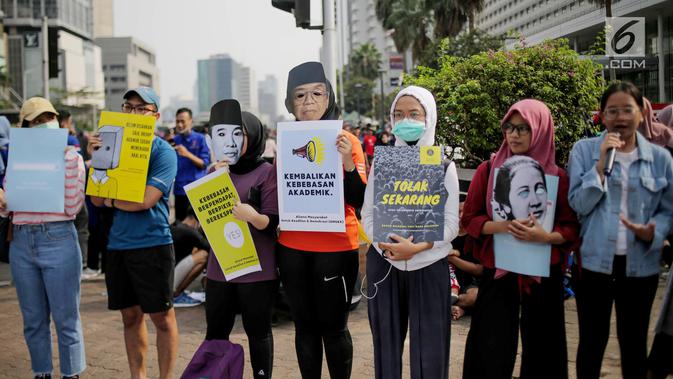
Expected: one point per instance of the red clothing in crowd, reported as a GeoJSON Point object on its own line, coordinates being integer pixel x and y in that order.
{"type": "Point", "coordinates": [370, 142]}
{"type": "Point", "coordinates": [475, 216]}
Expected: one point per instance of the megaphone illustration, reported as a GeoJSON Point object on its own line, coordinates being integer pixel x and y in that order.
{"type": "Point", "coordinates": [308, 151]}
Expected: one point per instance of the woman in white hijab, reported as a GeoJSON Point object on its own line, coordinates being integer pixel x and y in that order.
{"type": "Point", "coordinates": [408, 280]}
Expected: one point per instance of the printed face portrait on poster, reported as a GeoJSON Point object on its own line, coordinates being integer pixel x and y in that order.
{"type": "Point", "coordinates": [227, 142]}
{"type": "Point", "coordinates": [520, 190]}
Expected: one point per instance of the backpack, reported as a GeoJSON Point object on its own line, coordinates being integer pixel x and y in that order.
{"type": "Point", "coordinates": [216, 359]}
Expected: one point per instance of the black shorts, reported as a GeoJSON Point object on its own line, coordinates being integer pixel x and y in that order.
{"type": "Point", "coordinates": [140, 277]}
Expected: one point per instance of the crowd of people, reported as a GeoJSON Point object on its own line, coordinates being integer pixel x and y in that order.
{"type": "Point", "coordinates": [613, 219]}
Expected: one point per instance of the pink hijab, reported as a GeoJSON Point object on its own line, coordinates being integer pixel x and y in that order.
{"type": "Point", "coordinates": [655, 132]}
{"type": "Point", "coordinates": [542, 148]}
{"type": "Point", "coordinates": [666, 116]}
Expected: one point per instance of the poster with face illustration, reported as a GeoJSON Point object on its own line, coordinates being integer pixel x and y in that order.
{"type": "Point", "coordinates": [310, 177]}
{"type": "Point", "coordinates": [118, 169]}
{"type": "Point", "coordinates": [521, 191]}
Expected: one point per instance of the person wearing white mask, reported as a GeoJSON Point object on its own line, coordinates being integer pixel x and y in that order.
{"type": "Point", "coordinates": [408, 280]}
{"type": "Point", "coordinates": [46, 263]}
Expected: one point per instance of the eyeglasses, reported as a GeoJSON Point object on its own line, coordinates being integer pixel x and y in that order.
{"type": "Point", "coordinates": [521, 129]}
{"type": "Point", "coordinates": [613, 113]}
{"type": "Point", "coordinates": [300, 97]}
{"type": "Point", "coordinates": [414, 115]}
{"type": "Point", "coordinates": [138, 109]}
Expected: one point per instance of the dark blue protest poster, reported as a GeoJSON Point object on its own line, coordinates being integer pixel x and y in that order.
{"type": "Point", "coordinates": [409, 193]}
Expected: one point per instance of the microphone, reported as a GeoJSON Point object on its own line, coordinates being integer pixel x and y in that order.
{"type": "Point", "coordinates": [609, 161]}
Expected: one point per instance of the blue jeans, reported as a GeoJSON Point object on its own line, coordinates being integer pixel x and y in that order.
{"type": "Point", "coordinates": [46, 266]}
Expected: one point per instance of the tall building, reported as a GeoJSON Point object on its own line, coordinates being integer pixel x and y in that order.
{"type": "Point", "coordinates": [246, 86]}
{"type": "Point", "coordinates": [103, 18]}
{"type": "Point", "coordinates": [268, 100]}
{"type": "Point", "coordinates": [215, 80]}
{"type": "Point", "coordinates": [221, 77]}
{"type": "Point", "coordinates": [361, 26]}
{"type": "Point", "coordinates": [127, 63]}
{"type": "Point", "coordinates": [580, 21]}
{"type": "Point", "coordinates": [77, 57]}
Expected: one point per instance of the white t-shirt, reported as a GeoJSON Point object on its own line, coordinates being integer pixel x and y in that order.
{"type": "Point", "coordinates": [625, 160]}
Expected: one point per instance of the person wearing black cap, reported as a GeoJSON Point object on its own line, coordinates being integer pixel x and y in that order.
{"type": "Point", "coordinates": [318, 269]}
{"type": "Point", "coordinates": [140, 257]}
{"type": "Point", "coordinates": [238, 143]}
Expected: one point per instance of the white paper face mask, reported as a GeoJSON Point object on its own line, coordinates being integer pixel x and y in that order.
{"type": "Point", "coordinates": [227, 142]}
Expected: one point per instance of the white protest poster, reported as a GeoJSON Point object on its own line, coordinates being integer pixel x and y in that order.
{"type": "Point", "coordinates": [310, 176]}
{"type": "Point", "coordinates": [521, 188]}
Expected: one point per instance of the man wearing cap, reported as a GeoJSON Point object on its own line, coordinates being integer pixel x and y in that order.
{"type": "Point", "coordinates": [193, 159]}
{"type": "Point", "coordinates": [140, 261]}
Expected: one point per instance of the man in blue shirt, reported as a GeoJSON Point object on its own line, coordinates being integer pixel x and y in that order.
{"type": "Point", "coordinates": [193, 159]}
{"type": "Point", "coordinates": [140, 257]}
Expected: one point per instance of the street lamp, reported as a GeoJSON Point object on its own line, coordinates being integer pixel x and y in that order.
{"type": "Point", "coordinates": [358, 106]}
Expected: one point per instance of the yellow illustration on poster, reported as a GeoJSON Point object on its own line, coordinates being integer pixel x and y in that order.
{"type": "Point", "coordinates": [213, 198]}
{"type": "Point", "coordinates": [119, 167]}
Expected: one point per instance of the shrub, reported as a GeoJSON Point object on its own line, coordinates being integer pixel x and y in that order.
{"type": "Point", "coordinates": [474, 93]}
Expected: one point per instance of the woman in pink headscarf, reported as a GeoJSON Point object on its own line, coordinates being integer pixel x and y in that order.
{"type": "Point", "coordinates": [507, 301]}
{"type": "Point", "coordinates": [666, 116]}
{"type": "Point", "coordinates": [655, 132]}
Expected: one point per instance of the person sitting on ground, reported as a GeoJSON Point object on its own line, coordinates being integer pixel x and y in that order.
{"type": "Point", "coordinates": [191, 254]}
{"type": "Point", "coordinates": [467, 271]}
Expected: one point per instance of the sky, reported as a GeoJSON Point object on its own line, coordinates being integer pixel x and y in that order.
{"type": "Point", "coordinates": [183, 31]}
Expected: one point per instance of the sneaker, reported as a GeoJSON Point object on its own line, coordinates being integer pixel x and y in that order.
{"type": "Point", "coordinates": [89, 274]}
{"type": "Point", "coordinates": [198, 296]}
{"type": "Point", "coordinates": [43, 376]}
{"type": "Point", "coordinates": [183, 301]}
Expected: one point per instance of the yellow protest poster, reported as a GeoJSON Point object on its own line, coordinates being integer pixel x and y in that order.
{"type": "Point", "coordinates": [119, 167]}
{"type": "Point", "coordinates": [213, 198]}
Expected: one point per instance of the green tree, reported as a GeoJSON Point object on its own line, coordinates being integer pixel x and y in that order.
{"type": "Point", "coordinates": [411, 20]}
{"type": "Point", "coordinates": [473, 8]}
{"type": "Point", "coordinates": [365, 61]}
{"type": "Point", "coordinates": [464, 45]}
{"type": "Point", "coordinates": [474, 93]}
{"type": "Point", "coordinates": [449, 16]}
{"type": "Point", "coordinates": [358, 95]}
{"type": "Point", "coordinates": [387, 103]}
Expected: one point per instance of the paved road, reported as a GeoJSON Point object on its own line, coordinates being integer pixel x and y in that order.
{"type": "Point", "coordinates": [106, 357]}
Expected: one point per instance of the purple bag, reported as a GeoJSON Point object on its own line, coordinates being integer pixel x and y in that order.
{"type": "Point", "coordinates": [216, 359]}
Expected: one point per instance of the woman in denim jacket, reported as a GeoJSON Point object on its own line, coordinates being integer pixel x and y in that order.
{"type": "Point", "coordinates": [625, 217]}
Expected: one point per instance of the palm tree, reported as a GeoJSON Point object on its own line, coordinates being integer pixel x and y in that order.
{"type": "Point", "coordinates": [473, 7]}
{"type": "Point", "coordinates": [366, 61]}
{"type": "Point", "coordinates": [383, 10]}
{"type": "Point", "coordinates": [449, 17]}
{"type": "Point", "coordinates": [409, 21]}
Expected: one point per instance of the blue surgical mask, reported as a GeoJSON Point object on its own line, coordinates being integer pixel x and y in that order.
{"type": "Point", "coordinates": [53, 124]}
{"type": "Point", "coordinates": [409, 130]}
